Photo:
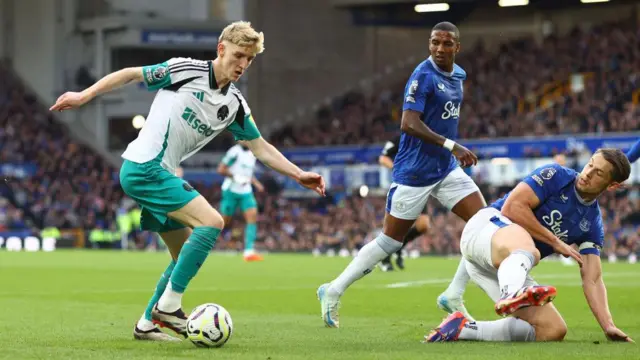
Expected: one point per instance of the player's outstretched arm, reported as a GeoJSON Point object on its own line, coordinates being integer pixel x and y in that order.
{"type": "Point", "coordinates": [271, 157]}
{"type": "Point", "coordinates": [385, 161]}
{"type": "Point", "coordinates": [257, 184]}
{"type": "Point", "coordinates": [634, 153]}
{"type": "Point", "coordinates": [71, 100]}
{"type": "Point", "coordinates": [519, 208]}
{"type": "Point", "coordinates": [596, 294]}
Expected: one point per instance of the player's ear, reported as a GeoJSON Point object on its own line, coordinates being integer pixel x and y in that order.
{"type": "Point", "coordinates": [220, 48]}
{"type": "Point", "coordinates": [616, 186]}
{"type": "Point", "coordinates": [458, 47]}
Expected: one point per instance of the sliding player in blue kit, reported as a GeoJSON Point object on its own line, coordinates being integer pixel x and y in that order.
{"type": "Point", "coordinates": [551, 209]}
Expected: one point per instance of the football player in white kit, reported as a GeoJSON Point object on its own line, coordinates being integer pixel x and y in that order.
{"type": "Point", "coordinates": [238, 165]}
{"type": "Point", "coordinates": [196, 101]}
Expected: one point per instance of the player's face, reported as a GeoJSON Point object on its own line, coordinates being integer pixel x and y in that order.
{"type": "Point", "coordinates": [443, 46]}
{"type": "Point", "coordinates": [596, 176]}
{"type": "Point", "coordinates": [235, 59]}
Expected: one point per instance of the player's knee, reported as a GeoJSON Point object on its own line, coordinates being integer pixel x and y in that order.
{"type": "Point", "coordinates": [549, 326]}
{"type": "Point", "coordinates": [213, 220]}
{"type": "Point", "coordinates": [422, 224]}
{"type": "Point", "coordinates": [560, 331]}
{"type": "Point", "coordinates": [552, 332]}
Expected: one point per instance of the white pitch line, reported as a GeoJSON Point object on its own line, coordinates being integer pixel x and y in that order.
{"type": "Point", "coordinates": [415, 283]}
{"type": "Point", "coordinates": [567, 276]}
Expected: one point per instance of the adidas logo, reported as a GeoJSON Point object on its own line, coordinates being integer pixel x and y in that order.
{"type": "Point", "coordinates": [199, 95]}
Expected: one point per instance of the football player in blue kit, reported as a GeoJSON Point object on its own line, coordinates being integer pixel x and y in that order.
{"type": "Point", "coordinates": [548, 211]}
{"type": "Point", "coordinates": [427, 164]}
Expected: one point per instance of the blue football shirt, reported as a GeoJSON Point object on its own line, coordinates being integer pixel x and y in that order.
{"type": "Point", "coordinates": [563, 211]}
{"type": "Point", "coordinates": [437, 95]}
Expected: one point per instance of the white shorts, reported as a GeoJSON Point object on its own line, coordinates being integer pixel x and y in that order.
{"type": "Point", "coordinates": [475, 246]}
{"type": "Point", "coordinates": [407, 202]}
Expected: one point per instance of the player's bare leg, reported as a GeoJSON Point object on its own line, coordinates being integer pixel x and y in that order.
{"type": "Point", "coordinates": [250, 233]}
{"type": "Point", "coordinates": [206, 223]}
{"type": "Point", "coordinates": [514, 254]}
{"type": "Point", "coordinates": [388, 242]}
{"type": "Point", "coordinates": [451, 299]}
{"type": "Point", "coordinates": [542, 323]}
{"type": "Point", "coordinates": [145, 328]}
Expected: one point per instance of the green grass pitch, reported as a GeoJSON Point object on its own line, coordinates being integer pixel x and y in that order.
{"type": "Point", "coordinates": [83, 305]}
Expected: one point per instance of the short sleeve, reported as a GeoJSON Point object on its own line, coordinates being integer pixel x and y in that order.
{"type": "Point", "coordinates": [230, 157]}
{"type": "Point", "coordinates": [594, 239]}
{"type": "Point", "coordinates": [244, 128]}
{"type": "Point", "coordinates": [548, 179]}
{"type": "Point", "coordinates": [173, 71]}
{"type": "Point", "coordinates": [634, 153]}
{"type": "Point", "coordinates": [416, 92]}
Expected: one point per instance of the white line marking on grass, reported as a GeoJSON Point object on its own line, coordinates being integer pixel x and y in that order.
{"type": "Point", "coordinates": [576, 276]}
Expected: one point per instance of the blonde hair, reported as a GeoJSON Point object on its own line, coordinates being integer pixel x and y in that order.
{"type": "Point", "coordinates": [242, 34]}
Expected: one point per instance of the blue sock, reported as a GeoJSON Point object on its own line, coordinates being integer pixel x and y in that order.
{"type": "Point", "coordinates": [162, 284]}
{"type": "Point", "coordinates": [193, 254]}
{"type": "Point", "coordinates": [250, 232]}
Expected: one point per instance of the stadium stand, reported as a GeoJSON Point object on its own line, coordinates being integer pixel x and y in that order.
{"type": "Point", "coordinates": [70, 186]}
{"type": "Point", "coordinates": [503, 99]}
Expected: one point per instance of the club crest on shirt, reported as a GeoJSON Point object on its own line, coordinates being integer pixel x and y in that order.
{"type": "Point", "coordinates": [585, 225]}
{"type": "Point", "coordinates": [223, 112]}
{"type": "Point", "coordinates": [547, 173]}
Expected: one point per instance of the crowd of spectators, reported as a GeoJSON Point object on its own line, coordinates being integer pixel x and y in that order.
{"type": "Point", "coordinates": [53, 180]}
{"type": "Point", "coordinates": [502, 98]}
{"type": "Point", "coordinates": [59, 182]}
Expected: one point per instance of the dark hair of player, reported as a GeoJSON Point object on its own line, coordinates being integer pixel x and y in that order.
{"type": "Point", "coordinates": [447, 26]}
{"type": "Point", "coordinates": [621, 166]}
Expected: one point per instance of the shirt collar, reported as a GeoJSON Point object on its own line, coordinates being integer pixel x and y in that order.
{"type": "Point", "coordinates": [435, 66]}
{"type": "Point", "coordinates": [213, 84]}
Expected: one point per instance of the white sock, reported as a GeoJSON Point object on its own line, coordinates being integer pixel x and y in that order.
{"type": "Point", "coordinates": [509, 329]}
{"type": "Point", "coordinates": [144, 324]}
{"type": "Point", "coordinates": [364, 262]}
{"type": "Point", "coordinates": [460, 279]}
{"type": "Point", "coordinates": [513, 271]}
{"type": "Point", "coordinates": [170, 300]}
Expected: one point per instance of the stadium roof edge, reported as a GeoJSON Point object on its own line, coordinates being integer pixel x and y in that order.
{"type": "Point", "coordinates": [354, 3]}
{"type": "Point", "coordinates": [122, 22]}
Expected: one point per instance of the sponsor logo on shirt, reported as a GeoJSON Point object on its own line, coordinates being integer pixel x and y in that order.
{"type": "Point", "coordinates": [190, 117]}
{"type": "Point", "coordinates": [451, 110]}
{"type": "Point", "coordinates": [554, 222]}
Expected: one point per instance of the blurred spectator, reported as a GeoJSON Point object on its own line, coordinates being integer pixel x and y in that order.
{"type": "Point", "coordinates": [504, 94]}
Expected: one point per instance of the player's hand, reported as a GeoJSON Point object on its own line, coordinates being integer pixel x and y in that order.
{"type": "Point", "coordinates": [464, 155]}
{"type": "Point", "coordinates": [614, 334]}
{"type": "Point", "coordinates": [259, 187]}
{"type": "Point", "coordinates": [241, 179]}
{"type": "Point", "coordinates": [312, 181]}
{"type": "Point", "coordinates": [566, 250]}
{"type": "Point", "coordinates": [70, 100]}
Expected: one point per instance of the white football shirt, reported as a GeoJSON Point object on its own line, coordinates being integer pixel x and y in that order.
{"type": "Point", "coordinates": [240, 162]}
{"type": "Point", "coordinates": [188, 111]}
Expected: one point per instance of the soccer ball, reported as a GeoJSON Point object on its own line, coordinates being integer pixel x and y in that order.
{"type": "Point", "coordinates": [209, 325]}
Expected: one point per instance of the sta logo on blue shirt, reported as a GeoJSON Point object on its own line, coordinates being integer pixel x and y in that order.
{"type": "Point", "coordinates": [437, 96]}
{"type": "Point", "coordinates": [562, 210]}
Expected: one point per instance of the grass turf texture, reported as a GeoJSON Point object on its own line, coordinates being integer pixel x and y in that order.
{"type": "Point", "coordinates": [83, 305]}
